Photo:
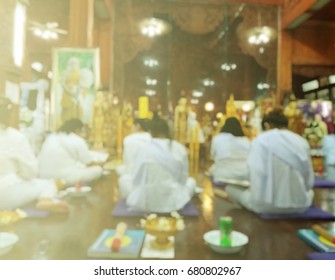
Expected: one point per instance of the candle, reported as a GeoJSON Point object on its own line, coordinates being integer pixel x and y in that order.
{"type": "Point", "coordinates": [119, 137]}
{"type": "Point", "coordinates": [143, 107]}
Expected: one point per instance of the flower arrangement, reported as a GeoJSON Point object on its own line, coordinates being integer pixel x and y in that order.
{"type": "Point", "coordinates": [165, 223]}
{"type": "Point", "coordinates": [314, 133]}
{"type": "Point", "coordinates": [162, 228]}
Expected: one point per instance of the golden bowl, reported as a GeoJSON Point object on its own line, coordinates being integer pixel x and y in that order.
{"type": "Point", "coordinates": [162, 228]}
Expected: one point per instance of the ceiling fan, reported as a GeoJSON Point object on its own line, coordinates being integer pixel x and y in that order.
{"type": "Point", "coordinates": [47, 31]}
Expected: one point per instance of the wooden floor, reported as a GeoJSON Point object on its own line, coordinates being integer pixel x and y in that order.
{"type": "Point", "coordinates": [69, 236]}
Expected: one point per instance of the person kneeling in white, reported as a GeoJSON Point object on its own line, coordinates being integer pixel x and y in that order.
{"type": "Point", "coordinates": [65, 155]}
{"type": "Point", "coordinates": [230, 150]}
{"type": "Point", "coordinates": [132, 144]}
{"type": "Point", "coordinates": [19, 167]}
{"type": "Point", "coordinates": [160, 181]}
{"type": "Point", "coordinates": [281, 172]}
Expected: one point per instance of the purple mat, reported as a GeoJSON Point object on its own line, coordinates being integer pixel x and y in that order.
{"type": "Point", "coordinates": [312, 213]}
{"type": "Point", "coordinates": [32, 212]}
{"type": "Point", "coordinates": [321, 256]}
{"type": "Point", "coordinates": [324, 183]}
{"type": "Point", "coordinates": [218, 184]}
{"type": "Point", "coordinates": [121, 210]}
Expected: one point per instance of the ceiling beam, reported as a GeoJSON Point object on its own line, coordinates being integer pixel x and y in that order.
{"type": "Point", "coordinates": [296, 11]}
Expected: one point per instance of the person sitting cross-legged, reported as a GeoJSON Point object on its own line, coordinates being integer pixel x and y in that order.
{"type": "Point", "coordinates": [65, 155]}
{"type": "Point", "coordinates": [281, 172]}
{"type": "Point", "coordinates": [159, 181]}
{"type": "Point", "coordinates": [19, 185]}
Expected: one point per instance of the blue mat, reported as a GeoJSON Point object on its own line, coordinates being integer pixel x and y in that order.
{"type": "Point", "coordinates": [121, 210]}
{"type": "Point", "coordinates": [219, 184]}
{"type": "Point", "coordinates": [323, 183]}
{"type": "Point", "coordinates": [312, 213]}
{"type": "Point", "coordinates": [321, 256]}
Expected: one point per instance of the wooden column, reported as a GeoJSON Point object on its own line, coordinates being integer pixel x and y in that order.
{"type": "Point", "coordinates": [284, 70]}
{"type": "Point", "coordinates": [8, 71]}
{"type": "Point", "coordinates": [81, 23]}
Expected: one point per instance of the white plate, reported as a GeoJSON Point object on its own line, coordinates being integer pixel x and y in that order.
{"type": "Point", "coordinates": [82, 191]}
{"type": "Point", "coordinates": [7, 241]}
{"type": "Point", "coordinates": [239, 240]}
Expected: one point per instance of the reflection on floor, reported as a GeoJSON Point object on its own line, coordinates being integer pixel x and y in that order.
{"type": "Point", "coordinates": [67, 237]}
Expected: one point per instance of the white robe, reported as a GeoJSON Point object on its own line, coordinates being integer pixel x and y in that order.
{"type": "Point", "coordinates": [131, 145]}
{"type": "Point", "coordinates": [65, 156]}
{"type": "Point", "coordinates": [281, 174]}
{"type": "Point", "coordinates": [18, 171]}
{"type": "Point", "coordinates": [328, 148]}
{"type": "Point", "coordinates": [160, 181]}
{"type": "Point", "coordinates": [230, 155]}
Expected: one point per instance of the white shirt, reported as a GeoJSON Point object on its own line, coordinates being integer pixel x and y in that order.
{"type": "Point", "coordinates": [281, 173]}
{"type": "Point", "coordinates": [61, 154]}
{"type": "Point", "coordinates": [17, 160]}
{"type": "Point", "coordinates": [328, 148]}
{"type": "Point", "coordinates": [230, 155]}
{"type": "Point", "coordinates": [131, 145]}
{"type": "Point", "coordinates": [160, 177]}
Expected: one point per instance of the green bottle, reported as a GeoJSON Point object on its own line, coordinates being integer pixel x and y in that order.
{"type": "Point", "coordinates": [226, 228]}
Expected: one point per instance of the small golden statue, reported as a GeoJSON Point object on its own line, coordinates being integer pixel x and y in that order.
{"type": "Point", "coordinates": [98, 121]}
{"type": "Point", "coordinates": [127, 119]}
{"type": "Point", "coordinates": [180, 121]}
{"type": "Point", "coordinates": [110, 124]}
{"type": "Point", "coordinates": [230, 107]}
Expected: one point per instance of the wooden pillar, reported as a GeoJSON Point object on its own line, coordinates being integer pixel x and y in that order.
{"type": "Point", "coordinates": [8, 70]}
{"type": "Point", "coordinates": [81, 23]}
{"type": "Point", "coordinates": [284, 70]}
{"type": "Point", "coordinates": [10, 73]}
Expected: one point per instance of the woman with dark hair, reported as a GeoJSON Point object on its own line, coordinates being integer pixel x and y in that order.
{"type": "Point", "coordinates": [280, 167]}
{"type": "Point", "coordinates": [229, 150]}
{"type": "Point", "coordinates": [159, 181]}
{"type": "Point", "coordinates": [19, 185]}
{"type": "Point", "coordinates": [132, 144]}
{"type": "Point", "coordinates": [65, 155]}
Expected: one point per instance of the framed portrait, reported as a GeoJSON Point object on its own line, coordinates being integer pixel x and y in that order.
{"type": "Point", "coordinates": [76, 78]}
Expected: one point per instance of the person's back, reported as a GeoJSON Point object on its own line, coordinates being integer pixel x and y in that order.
{"type": "Point", "coordinates": [230, 155]}
{"type": "Point", "coordinates": [61, 151]}
{"type": "Point", "coordinates": [19, 167]}
{"type": "Point", "coordinates": [160, 181]}
{"type": "Point", "coordinates": [14, 148]}
{"type": "Point", "coordinates": [281, 173]}
{"type": "Point", "coordinates": [229, 151]}
{"type": "Point", "coordinates": [132, 144]}
{"type": "Point", "coordinates": [65, 155]}
{"type": "Point", "coordinates": [280, 167]}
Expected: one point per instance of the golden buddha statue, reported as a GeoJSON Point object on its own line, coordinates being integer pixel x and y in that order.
{"type": "Point", "coordinates": [98, 121]}
{"type": "Point", "coordinates": [127, 119]}
{"type": "Point", "coordinates": [230, 107]}
{"type": "Point", "coordinates": [180, 121]}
